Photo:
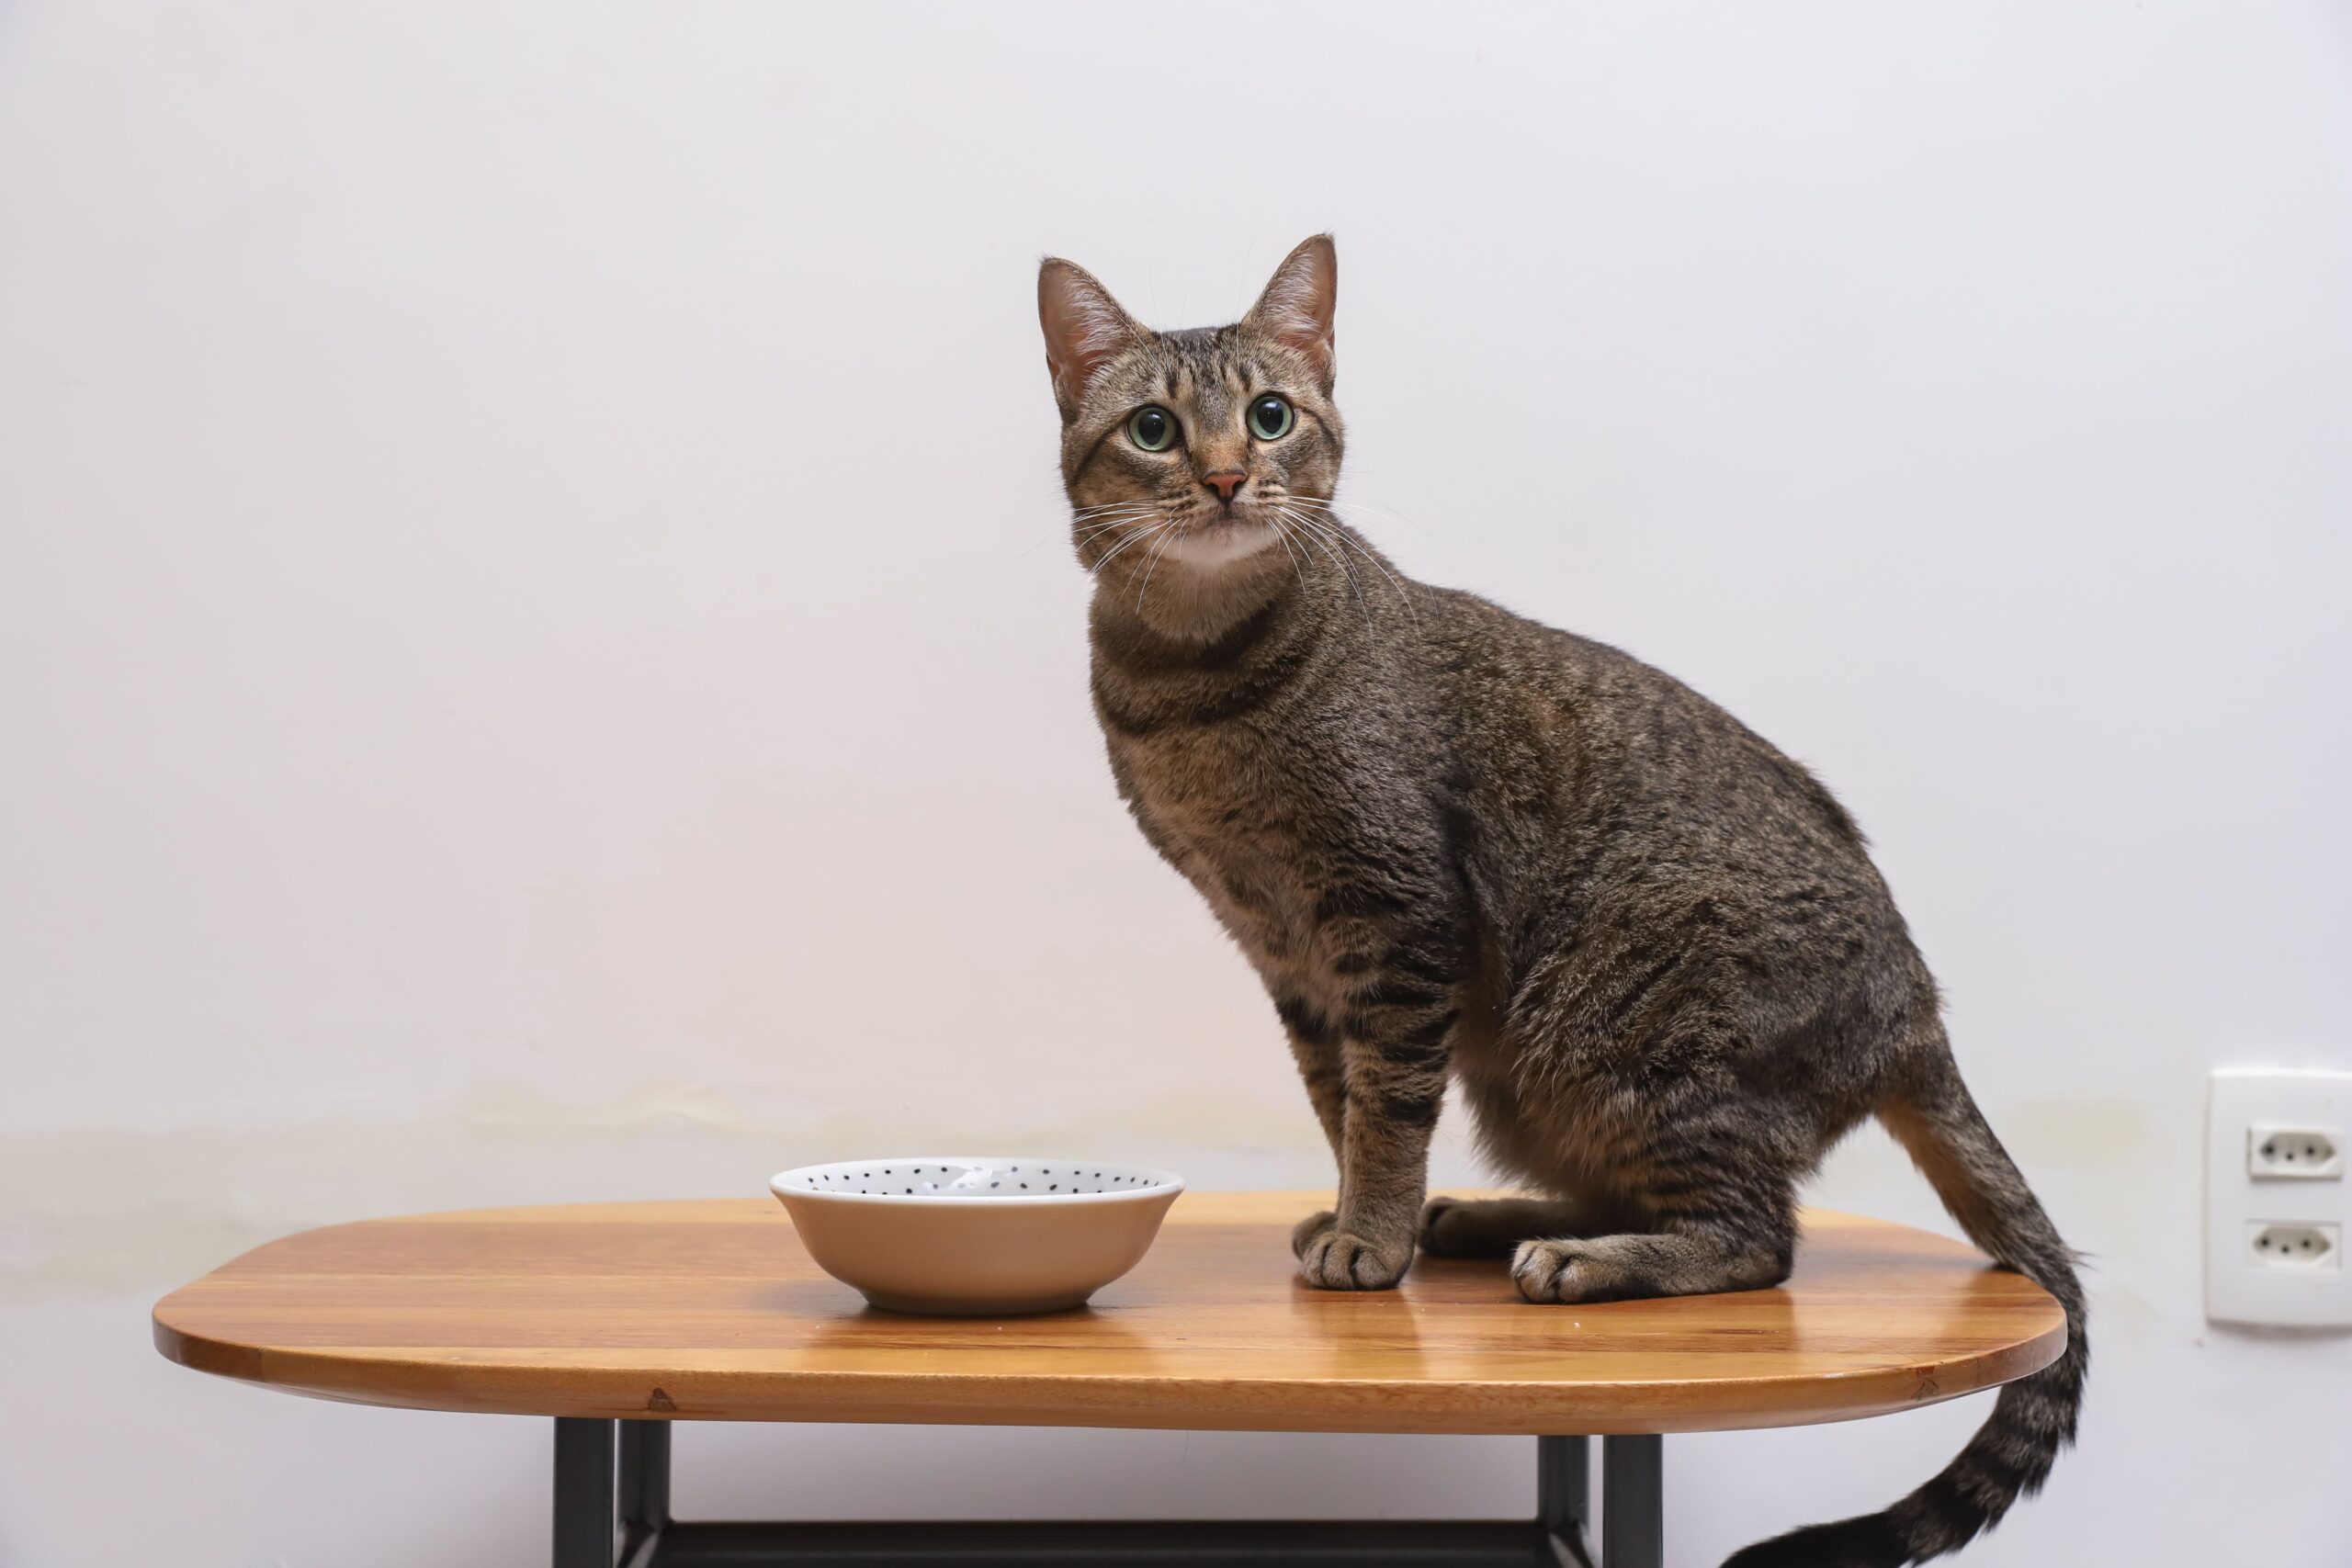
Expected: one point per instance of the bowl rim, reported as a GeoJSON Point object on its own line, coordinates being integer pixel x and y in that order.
{"type": "Point", "coordinates": [1158, 1182]}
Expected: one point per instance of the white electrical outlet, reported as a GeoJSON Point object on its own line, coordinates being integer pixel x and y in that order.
{"type": "Point", "coordinates": [2294, 1153]}
{"type": "Point", "coordinates": [2281, 1246]}
{"type": "Point", "coordinates": [2277, 1200]}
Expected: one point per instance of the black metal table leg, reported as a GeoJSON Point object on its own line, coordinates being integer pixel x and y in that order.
{"type": "Point", "coordinates": [1632, 1501]}
{"type": "Point", "coordinates": [1564, 1493]}
{"type": "Point", "coordinates": [612, 1510]}
{"type": "Point", "coordinates": [583, 1493]}
{"type": "Point", "coordinates": [644, 1489]}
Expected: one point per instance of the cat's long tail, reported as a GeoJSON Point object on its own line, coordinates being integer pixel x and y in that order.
{"type": "Point", "coordinates": [2033, 1417]}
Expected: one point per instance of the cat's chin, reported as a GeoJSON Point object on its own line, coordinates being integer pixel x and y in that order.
{"type": "Point", "coordinates": [1221, 544]}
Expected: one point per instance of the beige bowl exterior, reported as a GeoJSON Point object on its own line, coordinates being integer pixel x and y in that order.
{"type": "Point", "coordinates": [971, 1257]}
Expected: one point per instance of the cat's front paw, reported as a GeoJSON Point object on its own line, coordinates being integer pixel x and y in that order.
{"type": "Point", "coordinates": [1333, 1259]}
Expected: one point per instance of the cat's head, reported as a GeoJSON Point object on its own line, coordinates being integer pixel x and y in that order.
{"type": "Point", "coordinates": [1185, 448]}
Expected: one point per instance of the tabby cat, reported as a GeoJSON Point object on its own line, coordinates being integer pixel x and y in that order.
{"type": "Point", "coordinates": [1649, 948]}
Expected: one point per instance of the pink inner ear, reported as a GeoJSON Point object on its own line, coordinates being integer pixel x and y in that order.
{"type": "Point", "coordinates": [1084, 327]}
{"type": "Point", "coordinates": [1297, 305]}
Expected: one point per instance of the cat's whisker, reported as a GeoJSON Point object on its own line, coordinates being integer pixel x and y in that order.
{"type": "Point", "coordinates": [1133, 538]}
{"type": "Point", "coordinates": [1088, 527]}
{"type": "Point", "coordinates": [1111, 524]}
{"type": "Point", "coordinates": [1308, 535]}
{"type": "Point", "coordinates": [1030, 548]}
{"type": "Point", "coordinates": [1347, 541]}
{"type": "Point", "coordinates": [1096, 530]}
{"type": "Point", "coordinates": [1084, 533]}
{"type": "Point", "coordinates": [1288, 530]}
{"type": "Point", "coordinates": [1306, 541]}
{"type": "Point", "coordinates": [1151, 564]}
{"type": "Point", "coordinates": [1336, 505]}
{"type": "Point", "coordinates": [1282, 538]}
{"type": "Point", "coordinates": [1126, 542]}
{"type": "Point", "coordinates": [1348, 509]}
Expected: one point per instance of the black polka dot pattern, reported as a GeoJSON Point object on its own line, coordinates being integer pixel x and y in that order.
{"type": "Point", "coordinates": [973, 1179]}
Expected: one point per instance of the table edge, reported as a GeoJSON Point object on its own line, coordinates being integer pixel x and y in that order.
{"type": "Point", "coordinates": [1532, 1407]}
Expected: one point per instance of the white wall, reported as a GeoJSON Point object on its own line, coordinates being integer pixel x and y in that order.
{"type": "Point", "coordinates": [524, 674]}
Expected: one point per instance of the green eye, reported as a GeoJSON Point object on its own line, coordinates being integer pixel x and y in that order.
{"type": "Point", "coordinates": [1151, 427]}
{"type": "Point", "coordinates": [1270, 417]}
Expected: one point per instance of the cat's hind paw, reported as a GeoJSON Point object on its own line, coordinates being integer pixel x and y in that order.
{"type": "Point", "coordinates": [1436, 1230]}
{"type": "Point", "coordinates": [1555, 1271]}
{"type": "Point", "coordinates": [1471, 1227]}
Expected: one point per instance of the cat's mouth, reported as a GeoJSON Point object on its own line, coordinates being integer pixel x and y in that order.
{"type": "Point", "coordinates": [1218, 538]}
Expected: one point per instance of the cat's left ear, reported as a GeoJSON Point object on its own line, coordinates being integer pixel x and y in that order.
{"type": "Point", "coordinates": [1296, 307]}
{"type": "Point", "coordinates": [1085, 330]}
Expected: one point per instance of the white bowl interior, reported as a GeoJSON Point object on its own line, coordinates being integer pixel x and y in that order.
{"type": "Point", "coordinates": [920, 1176]}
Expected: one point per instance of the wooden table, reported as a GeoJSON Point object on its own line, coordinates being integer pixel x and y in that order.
{"type": "Point", "coordinates": [617, 1319]}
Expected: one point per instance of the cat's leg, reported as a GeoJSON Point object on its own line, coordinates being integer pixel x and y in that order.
{"type": "Point", "coordinates": [1643, 1028]}
{"type": "Point", "coordinates": [1393, 1054]}
{"type": "Point", "coordinates": [1315, 1045]}
{"type": "Point", "coordinates": [1493, 1227]}
{"type": "Point", "coordinates": [1720, 1230]}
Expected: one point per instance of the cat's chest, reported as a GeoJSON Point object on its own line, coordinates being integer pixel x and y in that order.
{"type": "Point", "coordinates": [1233, 790]}
{"type": "Point", "coordinates": [1248, 823]}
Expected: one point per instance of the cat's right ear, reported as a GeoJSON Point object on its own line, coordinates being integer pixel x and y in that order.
{"type": "Point", "coordinates": [1085, 329]}
{"type": "Point", "coordinates": [1295, 310]}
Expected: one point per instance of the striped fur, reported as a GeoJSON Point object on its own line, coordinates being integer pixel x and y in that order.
{"type": "Point", "coordinates": [1459, 846]}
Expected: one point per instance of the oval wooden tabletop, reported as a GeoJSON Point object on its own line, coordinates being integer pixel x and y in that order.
{"type": "Point", "coordinates": [711, 1310]}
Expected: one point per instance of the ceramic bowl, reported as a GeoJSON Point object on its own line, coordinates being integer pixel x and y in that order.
{"type": "Point", "coordinates": [975, 1236]}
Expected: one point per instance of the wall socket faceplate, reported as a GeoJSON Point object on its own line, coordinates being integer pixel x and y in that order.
{"type": "Point", "coordinates": [2278, 1201]}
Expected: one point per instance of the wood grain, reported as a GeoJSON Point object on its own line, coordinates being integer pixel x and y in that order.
{"type": "Point", "coordinates": [711, 1311]}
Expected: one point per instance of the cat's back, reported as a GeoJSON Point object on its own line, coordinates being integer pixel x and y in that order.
{"type": "Point", "coordinates": [1583, 731]}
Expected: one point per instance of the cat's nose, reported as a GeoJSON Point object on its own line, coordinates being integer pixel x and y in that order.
{"type": "Point", "coordinates": [1226, 482]}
